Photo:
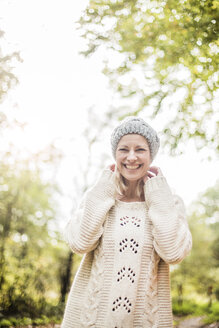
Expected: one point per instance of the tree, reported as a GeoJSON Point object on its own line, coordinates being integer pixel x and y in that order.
{"type": "Point", "coordinates": [7, 77]}
{"type": "Point", "coordinates": [165, 61]}
{"type": "Point", "coordinates": [29, 243]}
{"type": "Point", "coordinates": [25, 212]}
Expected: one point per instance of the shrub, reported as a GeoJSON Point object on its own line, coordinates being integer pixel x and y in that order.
{"type": "Point", "coordinates": [21, 322]}
{"type": "Point", "coordinates": [5, 323]}
{"type": "Point", "coordinates": [213, 315]}
{"type": "Point", "coordinates": [188, 307]}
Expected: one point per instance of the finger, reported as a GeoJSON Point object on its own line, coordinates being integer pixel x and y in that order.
{"type": "Point", "coordinates": [151, 174]}
{"type": "Point", "coordinates": [112, 167]}
{"type": "Point", "coordinates": [154, 170]}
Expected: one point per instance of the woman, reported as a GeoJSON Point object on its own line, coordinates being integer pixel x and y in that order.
{"type": "Point", "coordinates": [130, 228]}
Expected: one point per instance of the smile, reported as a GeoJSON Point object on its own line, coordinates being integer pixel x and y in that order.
{"type": "Point", "coordinates": [132, 167]}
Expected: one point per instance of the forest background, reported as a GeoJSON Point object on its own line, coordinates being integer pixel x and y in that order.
{"type": "Point", "coordinates": [68, 73]}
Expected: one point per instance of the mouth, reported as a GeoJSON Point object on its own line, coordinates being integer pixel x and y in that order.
{"type": "Point", "coordinates": [132, 167]}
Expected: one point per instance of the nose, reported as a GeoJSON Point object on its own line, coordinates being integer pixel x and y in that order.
{"type": "Point", "coordinates": [131, 156]}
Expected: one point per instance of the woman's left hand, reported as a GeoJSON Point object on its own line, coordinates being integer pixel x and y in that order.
{"type": "Point", "coordinates": [152, 172]}
{"type": "Point", "coordinates": [112, 167]}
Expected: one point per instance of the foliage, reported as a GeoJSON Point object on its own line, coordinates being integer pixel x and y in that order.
{"type": "Point", "coordinates": [28, 248]}
{"type": "Point", "coordinates": [32, 253]}
{"type": "Point", "coordinates": [7, 77]}
{"type": "Point", "coordinates": [161, 54]}
{"type": "Point", "coordinates": [26, 321]}
{"type": "Point", "coordinates": [7, 81]}
{"type": "Point", "coordinates": [199, 272]}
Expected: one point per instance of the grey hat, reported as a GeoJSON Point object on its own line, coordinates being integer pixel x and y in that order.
{"type": "Point", "coordinates": [135, 125]}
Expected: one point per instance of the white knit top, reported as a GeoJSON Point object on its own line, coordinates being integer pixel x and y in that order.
{"type": "Point", "coordinates": [123, 279]}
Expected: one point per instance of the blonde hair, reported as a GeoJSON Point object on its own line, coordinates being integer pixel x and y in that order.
{"type": "Point", "coordinates": [122, 186]}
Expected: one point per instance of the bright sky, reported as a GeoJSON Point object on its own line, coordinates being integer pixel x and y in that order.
{"type": "Point", "coordinates": [57, 86]}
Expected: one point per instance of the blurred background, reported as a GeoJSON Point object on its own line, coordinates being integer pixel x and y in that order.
{"type": "Point", "coordinates": [69, 71]}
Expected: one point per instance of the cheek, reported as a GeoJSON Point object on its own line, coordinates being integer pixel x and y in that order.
{"type": "Point", "coordinates": [147, 159]}
{"type": "Point", "coordinates": [119, 161]}
{"type": "Point", "coordinates": [147, 163]}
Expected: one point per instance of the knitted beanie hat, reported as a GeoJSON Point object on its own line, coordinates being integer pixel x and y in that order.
{"type": "Point", "coordinates": [135, 125]}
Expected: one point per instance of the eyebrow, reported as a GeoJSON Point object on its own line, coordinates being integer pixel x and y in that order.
{"type": "Point", "coordinates": [138, 146]}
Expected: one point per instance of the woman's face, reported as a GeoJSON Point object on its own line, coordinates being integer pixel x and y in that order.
{"type": "Point", "coordinates": [133, 157]}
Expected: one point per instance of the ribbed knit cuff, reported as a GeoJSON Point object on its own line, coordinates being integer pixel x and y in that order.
{"type": "Point", "coordinates": [105, 186]}
{"type": "Point", "coordinates": [155, 185]}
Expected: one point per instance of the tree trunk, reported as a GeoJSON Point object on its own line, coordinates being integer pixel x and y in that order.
{"type": "Point", "coordinates": [5, 234]}
{"type": "Point", "coordinates": [65, 277]}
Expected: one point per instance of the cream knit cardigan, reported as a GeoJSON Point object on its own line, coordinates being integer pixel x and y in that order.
{"type": "Point", "coordinates": [166, 240]}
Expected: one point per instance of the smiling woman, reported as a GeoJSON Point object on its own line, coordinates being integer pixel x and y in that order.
{"type": "Point", "coordinates": [134, 147]}
{"type": "Point", "coordinates": [130, 228]}
{"type": "Point", "coordinates": [132, 161]}
{"type": "Point", "coordinates": [133, 156]}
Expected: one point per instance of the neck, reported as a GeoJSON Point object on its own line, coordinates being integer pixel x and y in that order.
{"type": "Point", "coordinates": [131, 192]}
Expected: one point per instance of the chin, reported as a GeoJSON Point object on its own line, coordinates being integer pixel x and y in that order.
{"type": "Point", "coordinates": [132, 178]}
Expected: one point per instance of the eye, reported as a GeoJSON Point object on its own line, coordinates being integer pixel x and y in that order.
{"type": "Point", "coordinates": [123, 149]}
{"type": "Point", "coordinates": [141, 149]}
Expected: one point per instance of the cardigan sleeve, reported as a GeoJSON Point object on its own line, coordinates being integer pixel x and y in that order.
{"type": "Point", "coordinates": [84, 230]}
{"type": "Point", "coordinates": [172, 237]}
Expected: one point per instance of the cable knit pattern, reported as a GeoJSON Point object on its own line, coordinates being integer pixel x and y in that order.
{"type": "Point", "coordinates": [151, 308]}
{"type": "Point", "coordinates": [123, 278]}
{"type": "Point", "coordinates": [89, 315]}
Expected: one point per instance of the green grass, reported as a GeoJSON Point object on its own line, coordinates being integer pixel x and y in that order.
{"type": "Point", "coordinates": [192, 308]}
{"type": "Point", "coordinates": [189, 307]}
{"type": "Point", "coordinates": [213, 315]}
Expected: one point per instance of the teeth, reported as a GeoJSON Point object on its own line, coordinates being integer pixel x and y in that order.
{"type": "Point", "coordinates": [132, 167]}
